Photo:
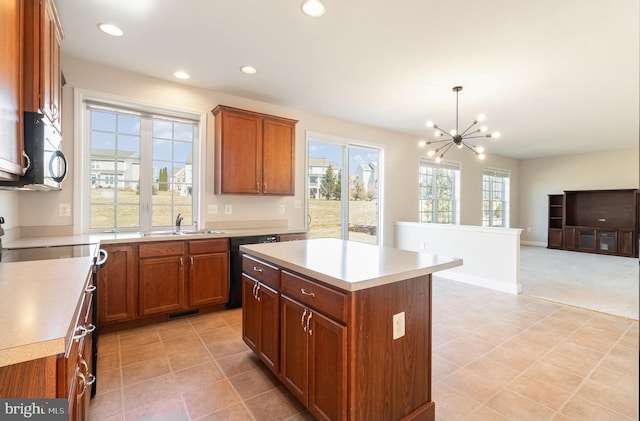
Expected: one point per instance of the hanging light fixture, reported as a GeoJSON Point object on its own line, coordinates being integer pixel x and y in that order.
{"type": "Point", "coordinates": [457, 138]}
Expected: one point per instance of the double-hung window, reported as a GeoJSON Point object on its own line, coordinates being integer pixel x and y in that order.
{"type": "Point", "coordinates": [140, 168]}
{"type": "Point", "coordinates": [439, 195]}
{"type": "Point", "coordinates": [495, 198]}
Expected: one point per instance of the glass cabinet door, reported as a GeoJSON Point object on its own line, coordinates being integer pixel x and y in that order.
{"type": "Point", "coordinates": [587, 239]}
{"type": "Point", "coordinates": [607, 241]}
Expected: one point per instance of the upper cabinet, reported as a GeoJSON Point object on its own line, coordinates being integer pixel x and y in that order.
{"type": "Point", "coordinates": [11, 146]}
{"type": "Point", "coordinates": [43, 84]}
{"type": "Point", "coordinates": [255, 153]}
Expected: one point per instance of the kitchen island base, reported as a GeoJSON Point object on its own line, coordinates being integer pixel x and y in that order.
{"type": "Point", "coordinates": [347, 349]}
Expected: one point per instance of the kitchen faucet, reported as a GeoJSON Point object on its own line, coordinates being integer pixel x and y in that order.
{"type": "Point", "coordinates": [179, 219]}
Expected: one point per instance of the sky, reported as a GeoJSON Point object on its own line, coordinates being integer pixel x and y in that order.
{"type": "Point", "coordinates": [333, 153]}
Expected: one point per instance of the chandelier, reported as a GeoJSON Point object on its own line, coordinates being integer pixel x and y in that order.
{"type": "Point", "coordinates": [457, 138]}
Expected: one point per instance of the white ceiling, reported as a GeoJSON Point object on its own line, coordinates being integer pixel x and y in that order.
{"type": "Point", "coordinates": [554, 77]}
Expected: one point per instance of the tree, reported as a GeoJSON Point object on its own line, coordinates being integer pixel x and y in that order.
{"type": "Point", "coordinates": [329, 183]}
{"type": "Point", "coordinates": [163, 177]}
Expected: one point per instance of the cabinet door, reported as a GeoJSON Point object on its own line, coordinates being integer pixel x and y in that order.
{"type": "Point", "coordinates": [11, 145]}
{"type": "Point", "coordinates": [554, 238]}
{"type": "Point", "coordinates": [239, 150]}
{"type": "Point", "coordinates": [278, 149]}
{"type": "Point", "coordinates": [327, 368]}
{"type": "Point", "coordinates": [250, 313]}
{"type": "Point", "coordinates": [625, 242]}
{"type": "Point", "coordinates": [208, 279]}
{"type": "Point", "coordinates": [570, 238]}
{"type": "Point", "coordinates": [117, 285]}
{"type": "Point", "coordinates": [294, 347]}
{"type": "Point", "coordinates": [269, 339]}
{"type": "Point", "coordinates": [50, 71]}
{"type": "Point", "coordinates": [161, 284]}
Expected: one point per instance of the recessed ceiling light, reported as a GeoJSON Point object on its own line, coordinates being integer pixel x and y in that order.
{"type": "Point", "coordinates": [313, 8]}
{"type": "Point", "coordinates": [181, 75]}
{"type": "Point", "coordinates": [110, 29]}
{"type": "Point", "coordinates": [249, 70]}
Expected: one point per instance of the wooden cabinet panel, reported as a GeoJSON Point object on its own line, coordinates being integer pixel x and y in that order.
{"type": "Point", "coordinates": [161, 284]}
{"type": "Point", "coordinates": [292, 237]}
{"type": "Point", "coordinates": [319, 297]}
{"type": "Point", "coordinates": [294, 348]}
{"type": "Point", "coordinates": [208, 279]}
{"type": "Point", "coordinates": [571, 238]}
{"type": "Point", "coordinates": [118, 285]}
{"type": "Point", "coordinates": [278, 157]}
{"type": "Point", "coordinates": [250, 313]}
{"type": "Point", "coordinates": [11, 71]}
{"type": "Point", "coordinates": [554, 240]}
{"type": "Point", "coordinates": [266, 273]}
{"type": "Point", "coordinates": [255, 153]}
{"type": "Point", "coordinates": [327, 368]}
{"type": "Point", "coordinates": [625, 242]}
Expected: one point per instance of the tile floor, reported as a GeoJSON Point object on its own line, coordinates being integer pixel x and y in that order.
{"type": "Point", "coordinates": [495, 357]}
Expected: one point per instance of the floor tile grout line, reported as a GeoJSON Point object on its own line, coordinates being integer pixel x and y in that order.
{"type": "Point", "coordinates": [215, 360]}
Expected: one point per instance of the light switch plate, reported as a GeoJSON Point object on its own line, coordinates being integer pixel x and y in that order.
{"type": "Point", "coordinates": [213, 209]}
{"type": "Point", "coordinates": [281, 209]}
{"type": "Point", "coordinates": [398, 325]}
{"type": "Point", "coordinates": [64, 209]}
{"type": "Point", "coordinates": [228, 210]}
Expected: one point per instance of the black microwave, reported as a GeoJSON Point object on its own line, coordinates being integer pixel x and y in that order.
{"type": "Point", "coordinates": [46, 164]}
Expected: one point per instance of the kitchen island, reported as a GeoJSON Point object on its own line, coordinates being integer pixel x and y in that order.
{"type": "Point", "coordinates": [345, 326]}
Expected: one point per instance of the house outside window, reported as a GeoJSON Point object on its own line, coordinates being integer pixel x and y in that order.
{"type": "Point", "coordinates": [139, 168]}
{"type": "Point", "coordinates": [495, 197]}
{"type": "Point", "coordinates": [439, 192]}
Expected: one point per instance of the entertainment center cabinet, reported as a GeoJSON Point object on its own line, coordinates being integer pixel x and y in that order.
{"type": "Point", "coordinates": [595, 221]}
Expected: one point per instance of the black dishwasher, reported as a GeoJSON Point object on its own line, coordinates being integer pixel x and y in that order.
{"type": "Point", "coordinates": [235, 277]}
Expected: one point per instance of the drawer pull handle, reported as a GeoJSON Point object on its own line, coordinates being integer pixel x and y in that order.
{"type": "Point", "coordinates": [81, 380]}
{"type": "Point", "coordinates": [255, 269]}
{"type": "Point", "coordinates": [305, 292]}
{"type": "Point", "coordinates": [90, 288]}
{"type": "Point", "coordinates": [255, 285]}
{"type": "Point", "coordinates": [92, 379]}
{"type": "Point", "coordinates": [304, 326]}
{"type": "Point", "coordinates": [258, 293]}
{"type": "Point", "coordinates": [308, 321]}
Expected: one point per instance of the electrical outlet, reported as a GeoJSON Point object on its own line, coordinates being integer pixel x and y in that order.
{"type": "Point", "coordinates": [64, 209]}
{"type": "Point", "coordinates": [398, 325]}
{"type": "Point", "coordinates": [213, 209]}
{"type": "Point", "coordinates": [281, 209]}
{"type": "Point", "coordinates": [228, 210]}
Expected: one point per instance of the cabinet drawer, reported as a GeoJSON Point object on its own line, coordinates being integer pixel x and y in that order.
{"type": "Point", "coordinates": [208, 246]}
{"type": "Point", "coordinates": [163, 248]}
{"type": "Point", "coordinates": [261, 271]}
{"type": "Point", "coordinates": [325, 300]}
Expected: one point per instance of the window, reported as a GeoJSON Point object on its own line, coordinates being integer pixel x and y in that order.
{"type": "Point", "coordinates": [439, 192]}
{"type": "Point", "coordinates": [343, 189]}
{"type": "Point", "coordinates": [495, 198]}
{"type": "Point", "coordinates": [139, 168]}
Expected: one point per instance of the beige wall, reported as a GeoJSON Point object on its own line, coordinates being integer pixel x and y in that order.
{"type": "Point", "coordinates": [616, 169]}
{"type": "Point", "coordinates": [400, 154]}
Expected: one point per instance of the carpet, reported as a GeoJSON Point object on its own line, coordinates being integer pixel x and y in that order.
{"type": "Point", "coordinates": [607, 284]}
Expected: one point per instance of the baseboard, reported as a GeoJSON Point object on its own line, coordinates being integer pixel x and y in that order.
{"type": "Point", "coordinates": [481, 282]}
{"type": "Point", "coordinates": [533, 243]}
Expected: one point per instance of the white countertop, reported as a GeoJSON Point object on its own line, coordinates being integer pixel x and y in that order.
{"type": "Point", "coordinates": [350, 265]}
{"type": "Point", "coordinates": [137, 237]}
{"type": "Point", "coordinates": [38, 300]}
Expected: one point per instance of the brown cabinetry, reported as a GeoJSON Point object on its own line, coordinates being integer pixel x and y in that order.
{"type": "Point", "coordinates": [595, 221]}
{"type": "Point", "coordinates": [118, 285]}
{"type": "Point", "coordinates": [161, 277]}
{"type": "Point", "coordinates": [261, 311]}
{"type": "Point", "coordinates": [11, 74]}
{"type": "Point", "coordinates": [68, 375]}
{"type": "Point", "coordinates": [43, 83]}
{"type": "Point", "coordinates": [255, 153]}
{"type": "Point", "coordinates": [292, 237]}
{"type": "Point", "coordinates": [208, 272]}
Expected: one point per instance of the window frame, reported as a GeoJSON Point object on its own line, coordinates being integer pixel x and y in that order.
{"type": "Point", "coordinates": [82, 159]}
{"type": "Point", "coordinates": [345, 144]}
{"type": "Point", "coordinates": [455, 202]}
{"type": "Point", "coordinates": [506, 193]}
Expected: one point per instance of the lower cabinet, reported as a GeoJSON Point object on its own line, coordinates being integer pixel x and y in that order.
{"type": "Point", "coordinates": [314, 360]}
{"type": "Point", "coordinates": [208, 272]}
{"type": "Point", "coordinates": [161, 277]}
{"type": "Point", "coordinates": [118, 284]}
{"type": "Point", "coordinates": [261, 321]}
{"type": "Point", "coordinates": [68, 375]}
